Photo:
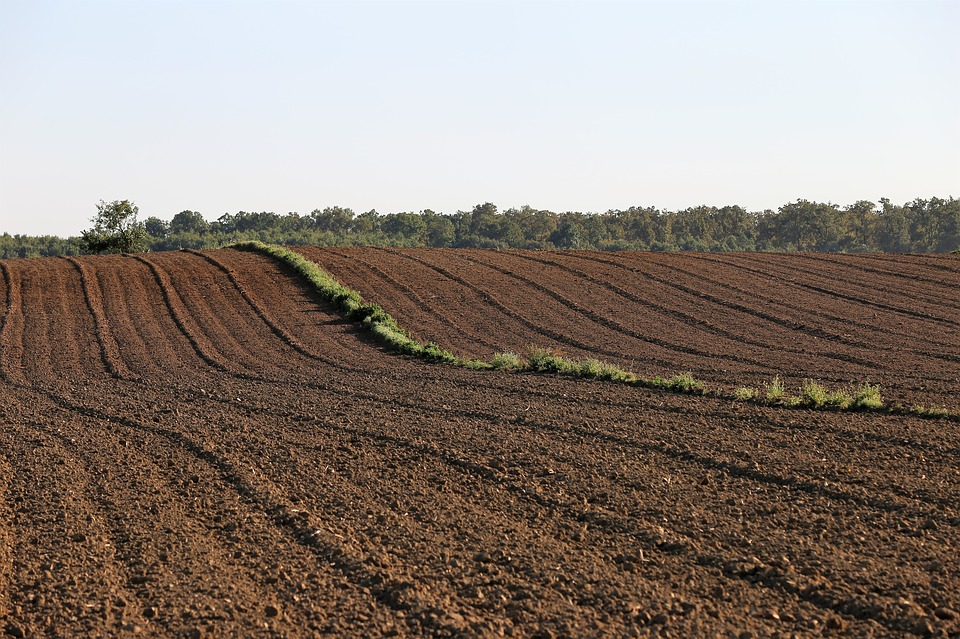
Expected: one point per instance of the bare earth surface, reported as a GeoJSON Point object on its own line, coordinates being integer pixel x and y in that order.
{"type": "Point", "coordinates": [192, 445]}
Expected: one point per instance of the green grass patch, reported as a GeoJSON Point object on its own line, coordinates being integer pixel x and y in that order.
{"type": "Point", "coordinates": [867, 397]}
{"type": "Point", "coordinates": [775, 392]}
{"type": "Point", "coordinates": [746, 394]}
{"type": "Point", "coordinates": [507, 362]}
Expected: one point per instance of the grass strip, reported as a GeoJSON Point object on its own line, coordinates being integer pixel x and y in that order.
{"type": "Point", "coordinates": [812, 395]}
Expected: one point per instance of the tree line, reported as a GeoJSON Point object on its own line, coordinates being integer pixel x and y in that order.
{"type": "Point", "coordinates": [919, 226]}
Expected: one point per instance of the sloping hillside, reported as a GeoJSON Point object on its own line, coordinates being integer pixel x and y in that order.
{"type": "Point", "coordinates": [194, 445]}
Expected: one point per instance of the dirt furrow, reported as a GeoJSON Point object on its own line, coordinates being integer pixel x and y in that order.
{"type": "Point", "coordinates": [93, 300]}
{"type": "Point", "coordinates": [604, 320]}
{"type": "Point", "coordinates": [11, 330]}
{"type": "Point", "coordinates": [857, 320]}
{"type": "Point", "coordinates": [181, 317]}
{"type": "Point", "coordinates": [268, 469]}
{"type": "Point", "coordinates": [867, 297]}
{"type": "Point", "coordinates": [537, 330]}
{"type": "Point", "coordinates": [905, 281]}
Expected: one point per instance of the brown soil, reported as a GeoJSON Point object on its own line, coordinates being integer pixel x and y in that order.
{"type": "Point", "coordinates": [730, 319]}
{"type": "Point", "coordinates": [192, 445]}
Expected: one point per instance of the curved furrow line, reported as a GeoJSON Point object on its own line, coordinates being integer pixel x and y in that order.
{"type": "Point", "coordinates": [705, 460]}
{"type": "Point", "coordinates": [822, 272]}
{"type": "Point", "coordinates": [690, 320]}
{"type": "Point", "coordinates": [144, 329]}
{"type": "Point", "coordinates": [178, 313]}
{"type": "Point", "coordinates": [221, 317]}
{"type": "Point", "coordinates": [506, 310]}
{"type": "Point", "coordinates": [5, 312]}
{"type": "Point", "coordinates": [925, 265]}
{"type": "Point", "coordinates": [601, 320]}
{"type": "Point", "coordinates": [733, 263]}
{"type": "Point", "coordinates": [612, 324]}
{"type": "Point", "coordinates": [36, 326]}
{"type": "Point", "coordinates": [56, 338]}
{"type": "Point", "coordinates": [89, 539]}
{"type": "Point", "coordinates": [306, 532]}
{"type": "Point", "coordinates": [858, 300]}
{"type": "Point", "coordinates": [193, 518]}
{"type": "Point", "coordinates": [51, 490]}
{"type": "Point", "coordinates": [558, 517]}
{"type": "Point", "coordinates": [895, 336]}
{"type": "Point", "coordinates": [361, 394]}
{"type": "Point", "coordinates": [420, 302]}
{"type": "Point", "coordinates": [903, 276]}
{"type": "Point", "coordinates": [107, 344]}
{"type": "Point", "coordinates": [912, 288]}
{"type": "Point", "coordinates": [522, 490]}
{"type": "Point", "coordinates": [11, 328]}
{"type": "Point", "coordinates": [466, 501]}
{"type": "Point", "coordinates": [714, 299]}
{"type": "Point", "coordinates": [614, 524]}
{"type": "Point", "coordinates": [274, 327]}
{"type": "Point", "coordinates": [231, 335]}
{"type": "Point", "coordinates": [792, 325]}
{"type": "Point", "coordinates": [939, 263]}
{"type": "Point", "coordinates": [608, 527]}
{"type": "Point", "coordinates": [510, 335]}
{"type": "Point", "coordinates": [7, 538]}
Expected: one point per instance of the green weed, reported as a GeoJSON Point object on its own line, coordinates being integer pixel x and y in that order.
{"type": "Point", "coordinates": [746, 394]}
{"type": "Point", "coordinates": [867, 396]}
{"type": "Point", "coordinates": [507, 362]}
{"type": "Point", "coordinates": [775, 392]}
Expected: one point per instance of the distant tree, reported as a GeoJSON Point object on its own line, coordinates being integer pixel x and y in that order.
{"type": "Point", "coordinates": [335, 219]}
{"type": "Point", "coordinates": [568, 234]}
{"type": "Point", "coordinates": [440, 231]}
{"type": "Point", "coordinates": [859, 222]}
{"type": "Point", "coordinates": [893, 227]}
{"type": "Point", "coordinates": [189, 222]}
{"type": "Point", "coordinates": [810, 226]}
{"type": "Point", "coordinates": [366, 223]}
{"type": "Point", "coordinates": [115, 229]}
{"type": "Point", "coordinates": [156, 227]}
{"type": "Point", "coordinates": [406, 227]}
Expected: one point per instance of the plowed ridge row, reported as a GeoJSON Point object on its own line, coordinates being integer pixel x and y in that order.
{"type": "Point", "coordinates": [731, 319]}
{"type": "Point", "coordinates": [259, 466]}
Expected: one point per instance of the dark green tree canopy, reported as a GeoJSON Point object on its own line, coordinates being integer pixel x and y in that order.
{"type": "Point", "coordinates": [921, 225]}
{"type": "Point", "coordinates": [115, 229]}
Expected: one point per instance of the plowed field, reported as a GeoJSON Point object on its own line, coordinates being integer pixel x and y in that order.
{"type": "Point", "coordinates": [193, 445]}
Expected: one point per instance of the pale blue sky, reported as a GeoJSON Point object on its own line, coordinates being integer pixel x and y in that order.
{"type": "Point", "coordinates": [283, 105]}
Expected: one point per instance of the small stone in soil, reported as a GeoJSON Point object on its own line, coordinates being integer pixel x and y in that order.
{"type": "Point", "coordinates": [15, 631]}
